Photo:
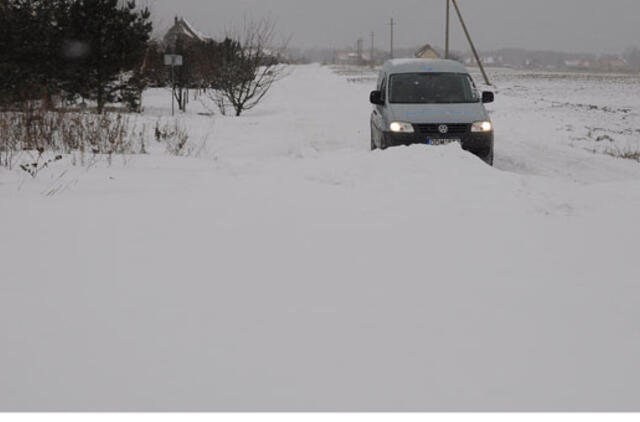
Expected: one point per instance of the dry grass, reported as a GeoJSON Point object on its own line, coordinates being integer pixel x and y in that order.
{"type": "Point", "coordinates": [175, 137]}
{"type": "Point", "coordinates": [628, 153]}
{"type": "Point", "coordinates": [35, 135]}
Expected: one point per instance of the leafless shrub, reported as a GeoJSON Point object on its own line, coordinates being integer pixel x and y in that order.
{"type": "Point", "coordinates": [249, 68]}
{"type": "Point", "coordinates": [220, 101]}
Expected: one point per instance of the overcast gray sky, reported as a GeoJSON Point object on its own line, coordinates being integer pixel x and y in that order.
{"type": "Point", "coordinates": [570, 25]}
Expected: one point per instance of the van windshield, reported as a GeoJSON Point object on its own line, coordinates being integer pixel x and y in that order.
{"type": "Point", "coordinates": [432, 88]}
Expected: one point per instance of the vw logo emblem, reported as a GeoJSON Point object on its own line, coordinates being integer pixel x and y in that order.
{"type": "Point", "coordinates": [443, 129]}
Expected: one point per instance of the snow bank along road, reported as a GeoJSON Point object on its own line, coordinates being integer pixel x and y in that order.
{"type": "Point", "coordinates": [288, 268]}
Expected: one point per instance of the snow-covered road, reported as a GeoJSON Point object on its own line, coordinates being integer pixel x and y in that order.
{"type": "Point", "coordinates": [289, 268]}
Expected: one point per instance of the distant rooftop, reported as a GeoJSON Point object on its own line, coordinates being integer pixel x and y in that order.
{"type": "Point", "coordinates": [183, 28]}
{"type": "Point", "coordinates": [427, 52]}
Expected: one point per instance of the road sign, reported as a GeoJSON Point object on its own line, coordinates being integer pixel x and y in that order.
{"type": "Point", "coordinates": [172, 60]}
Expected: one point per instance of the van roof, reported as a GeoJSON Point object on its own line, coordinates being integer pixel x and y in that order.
{"type": "Point", "coordinates": [423, 65]}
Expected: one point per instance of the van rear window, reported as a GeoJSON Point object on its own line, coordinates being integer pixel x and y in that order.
{"type": "Point", "coordinates": [432, 88]}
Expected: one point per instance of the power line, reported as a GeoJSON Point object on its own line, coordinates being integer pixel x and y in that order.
{"type": "Point", "coordinates": [373, 46]}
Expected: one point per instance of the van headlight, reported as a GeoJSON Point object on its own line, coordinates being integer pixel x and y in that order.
{"type": "Point", "coordinates": [484, 126]}
{"type": "Point", "coordinates": [401, 127]}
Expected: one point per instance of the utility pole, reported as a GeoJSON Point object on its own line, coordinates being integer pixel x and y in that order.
{"type": "Point", "coordinates": [446, 49]}
{"type": "Point", "coordinates": [359, 50]}
{"type": "Point", "coordinates": [373, 46]}
{"type": "Point", "coordinates": [392, 24]}
{"type": "Point", "coordinates": [173, 90]}
{"type": "Point", "coordinates": [473, 47]}
{"type": "Point", "coordinates": [173, 60]}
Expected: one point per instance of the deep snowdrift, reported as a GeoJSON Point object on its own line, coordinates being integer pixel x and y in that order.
{"type": "Point", "coordinates": [288, 268]}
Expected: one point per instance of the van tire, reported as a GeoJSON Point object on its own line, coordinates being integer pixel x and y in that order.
{"type": "Point", "coordinates": [383, 144]}
{"type": "Point", "coordinates": [489, 159]}
{"type": "Point", "coordinates": [373, 143]}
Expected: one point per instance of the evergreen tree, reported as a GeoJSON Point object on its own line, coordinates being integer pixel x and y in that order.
{"type": "Point", "coordinates": [151, 72]}
{"type": "Point", "coordinates": [95, 49]}
{"type": "Point", "coordinates": [31, 32]}
{"type": "Point", "coordinates": [106, 44]}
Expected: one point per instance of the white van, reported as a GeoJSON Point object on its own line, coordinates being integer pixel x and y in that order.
{"type": "Point", "coordinates": [431, 102]}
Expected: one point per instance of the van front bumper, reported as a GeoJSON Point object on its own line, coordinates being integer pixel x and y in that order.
{"type": "Point", "coordinates": [480, 144]}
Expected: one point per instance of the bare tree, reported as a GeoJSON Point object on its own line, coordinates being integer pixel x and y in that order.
{"type": "Point", "coordinates": [249, 66]}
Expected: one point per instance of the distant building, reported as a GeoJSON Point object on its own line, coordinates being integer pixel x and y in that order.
{"type": "Point", "coordinates": [267, 55]}
{"type": "Point", "coordinates": [492, 60]}
{"type": "Point", "coordinates": [613, 64]}
{"type": "Point", "coordinates": [183, 30]}
{"type": "Point", "coordinates": [495, 61]}
{"type": "Point", "coordinates": [427, 52]}
{"type": "Point", "coordinates": [347, 58]}
{"type": "Point", "coordinates": [578, 64]}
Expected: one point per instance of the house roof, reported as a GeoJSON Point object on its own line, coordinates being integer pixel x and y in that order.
{"type": "Point", "coordinates": [185, 28]}
{"type": "Point", "coordinates": [425, 48]}
{"type": "Point", "coordinates": [191, 29]}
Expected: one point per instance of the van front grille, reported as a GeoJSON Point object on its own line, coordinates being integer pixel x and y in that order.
{"type": "Point", "coordinates": [453, 128]}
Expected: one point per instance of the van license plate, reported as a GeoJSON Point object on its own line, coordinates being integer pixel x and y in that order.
{"type": "Point", "coordinates": [431, 141]}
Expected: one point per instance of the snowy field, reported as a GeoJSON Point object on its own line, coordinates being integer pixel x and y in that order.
{"type": "Point", "coordinates": [283, 266]}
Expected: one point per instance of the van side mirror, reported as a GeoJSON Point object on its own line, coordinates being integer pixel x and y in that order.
{"type": "Point", "coordinates": [487, 97]}
{"type": "Point", "coordinates": [376, 98]}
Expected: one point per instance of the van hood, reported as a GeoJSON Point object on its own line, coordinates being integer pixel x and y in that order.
{"type": "Point", "coordinates": [438, 113]}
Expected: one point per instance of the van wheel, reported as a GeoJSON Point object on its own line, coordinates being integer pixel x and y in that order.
{"type": "Point", "coordinates": [489, 158]}
{"type": "Point", "coordinates": [373, 142]}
